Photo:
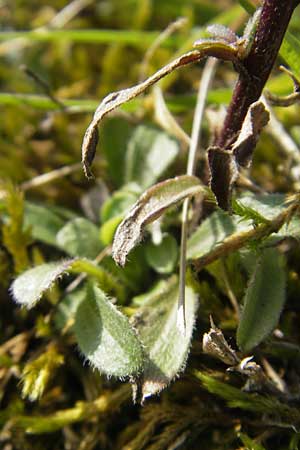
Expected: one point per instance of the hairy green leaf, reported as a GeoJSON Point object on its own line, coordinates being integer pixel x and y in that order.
{"type": "Point", "coordinates": [79, 237]}
{"type": "Point", "coordinates": [264, 299]}
{"type": "Point", "coordinates": [149, 207]}
{"type": "Point", "coordinates": [166, 348]}
{"type": "Point", "coordinates": [105, 336]}
{"type": "Point", "coordinates": [29, 287]}
{"type": "Point", "coordinates": [149, 154]}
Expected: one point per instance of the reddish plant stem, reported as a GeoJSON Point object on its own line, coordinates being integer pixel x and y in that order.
{"type": "Point", "coordinates": [274, 20]}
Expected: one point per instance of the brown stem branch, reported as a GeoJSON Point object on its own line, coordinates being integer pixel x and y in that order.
{"type": "Point", "coordinates": [274, 20]}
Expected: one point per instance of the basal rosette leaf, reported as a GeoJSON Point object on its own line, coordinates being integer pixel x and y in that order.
{"type": "Point", "coordinates": [30, 286]}
{"type": "Point", "coordinates": [105, 336]}
{"type": "Point", "coordinates": [264, 299]}
{"type": "Point", "coordinates": [165, 347]}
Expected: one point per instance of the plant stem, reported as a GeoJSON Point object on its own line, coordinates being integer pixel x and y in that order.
{"type": "Point", "coordinates": [242, 238]}
{"type": "Point", "coordinates": [273, 22]}
{"type": "Point", "coordinates": [204, 85]}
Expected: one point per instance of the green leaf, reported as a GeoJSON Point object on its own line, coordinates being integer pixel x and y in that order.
{"type": "Point", "coordinates": [108, 229]}
{"type": "Point", "coordinates": [150, 152]}
{"type": "Point", "coordinates": [120, 201]}
{"type": "Point", "coordinates": [114, 209]}
{"type": "Point", "coordinates": [249, 443]}
{"type": "Point", "coordinates": [248, 213]}
{"type": "Point", "coordinates": [264, 299]}
{"type": "Point", "coordinates": [290, 47]}
{"type": "Point", "coordinates": [157, 288]}
{"type": "Point", "coordinates": [220, 225]}
{"type": "Point", "coordinates": [107, 281]}
{"type": "Point", "coordinates": [151, 205]}
{"type": "Point", "coordinates": [44, 222]}
{"type": "Point", "coordinates": [115, 135]}
{"type": "Point", "coordinates": [135, 275]}
{"type": "Point", "coordinates": [79, 237]}
{"type": "Point", "coordinates": [163, 257]}
{"type": "Point", "coordinates": [67, 307]}
{"type": "Point", "coordinates": [166, 348]}
{"type": "Point", "coordinates": [212, 232]}
{"type": "Point", "coordinates": [290, 51]}
{"type": "Point", "coordinates": [29, 287]}
{"type": "Point", "coordinates": [105, 336]}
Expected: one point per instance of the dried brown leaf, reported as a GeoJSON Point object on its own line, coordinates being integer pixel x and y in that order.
{"type": "Point", "coordinates": [116, 99]}
{"type": "Point", "coordinates": [224, 163]}
{"type": "Point", "coordinates": [256, 118]}
{"type": "Point", "coordinates": [149, 207]}
{"type": "Point", "coordinates": [215, 344]}
{"type": "Point", "coordinates": [224, 172]}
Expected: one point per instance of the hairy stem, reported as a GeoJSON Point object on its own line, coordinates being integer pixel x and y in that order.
{"type": "Point", "coordinates": [242, 238]}
{"type": "Point", "coordinates": [274, 20]}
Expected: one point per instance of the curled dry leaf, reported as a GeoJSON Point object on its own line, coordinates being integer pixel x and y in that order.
{"type": "Point", "coordinates": [149, 207]}
{"type": "Point", "coordinates": [256, 118]}
{"type": "Point", "coordinates": [215, 344]}
{"type": "Point", "coordinates": [224, 163]}
{"type": "Point", "coordinates": [208, 47]}
{"type": "Point", "coordinates": [223, 174]}
{"type": "Point", "coordinates": [116, 99]}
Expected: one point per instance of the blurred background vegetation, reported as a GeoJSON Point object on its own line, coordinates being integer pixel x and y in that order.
{"type": "Point", "coordinates": [57, 60]}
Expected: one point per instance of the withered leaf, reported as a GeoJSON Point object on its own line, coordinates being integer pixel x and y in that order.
{"type": "Point", "coordinates": [224, 172]}
{"type": "Point", "coordinates": [92, 135]}
{"type": "Point", "coordinates": [149, 207]}
{"type": "Point", "coordinates": [224, 163]}
{"type": "Point", "coordinates": [256, 118]}
{"type": "Point", "coordinates": [221, 49]}
{"type": "Point", "coordinates": [116, 99]}
{"type": "Point", "coordinates": [215, 344]}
